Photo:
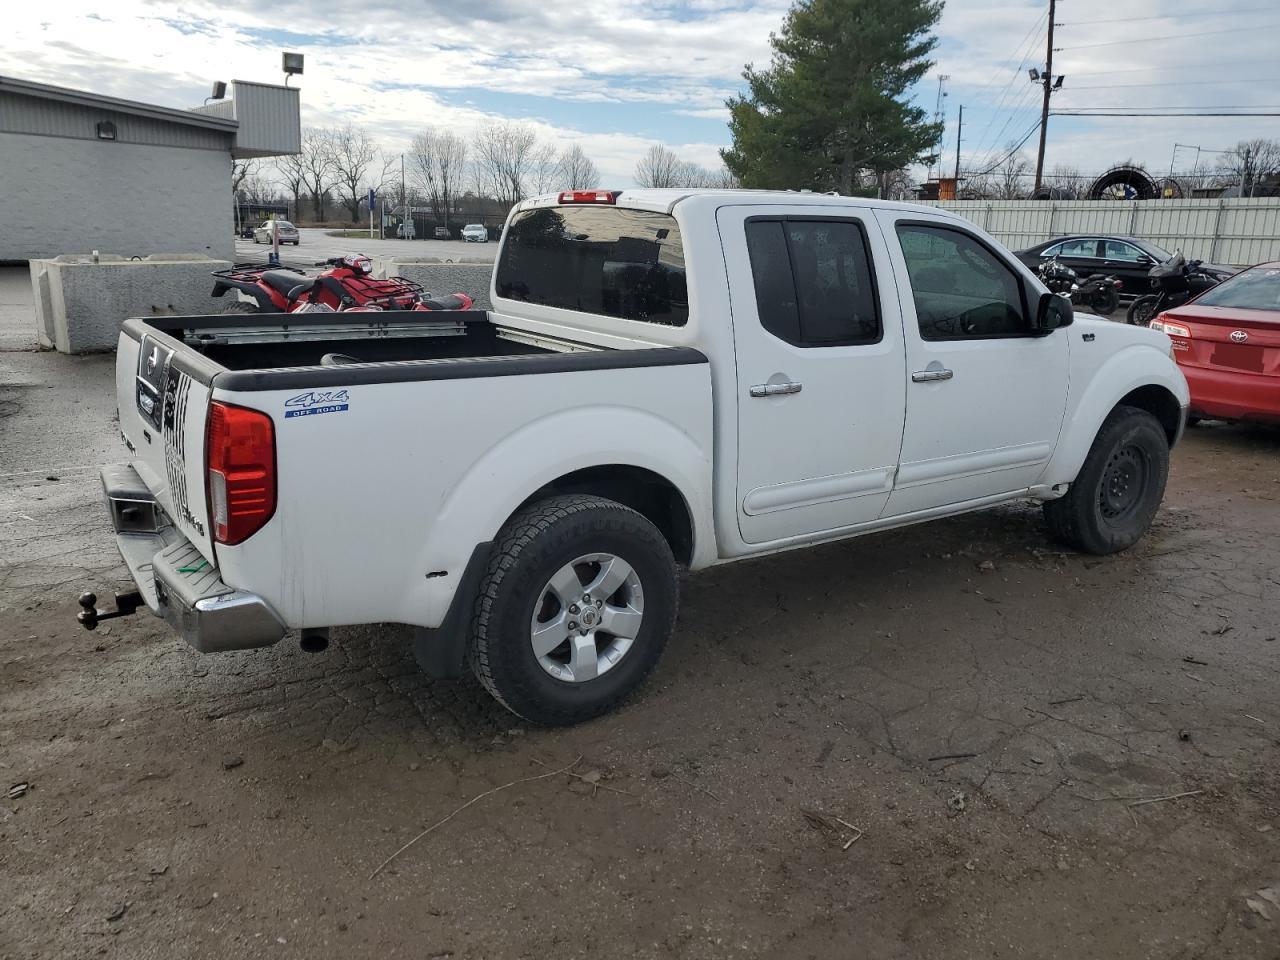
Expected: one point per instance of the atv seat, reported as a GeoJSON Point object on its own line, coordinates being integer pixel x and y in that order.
{"type": "Point", "coordinates": [286, 281]}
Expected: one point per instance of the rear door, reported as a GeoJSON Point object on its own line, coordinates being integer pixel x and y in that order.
{"type": "Point", "coordinates": [1082, 256]}
{"type": "Point", "coordinates": [818, 340]}
{"type": "Point", "coordinates": [985, 395]}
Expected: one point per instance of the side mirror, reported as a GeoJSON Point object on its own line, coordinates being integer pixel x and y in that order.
{"type": "Point", "coordinates": [1053, 311]}
{"type": "Point", "coordinates": [1145, 260]}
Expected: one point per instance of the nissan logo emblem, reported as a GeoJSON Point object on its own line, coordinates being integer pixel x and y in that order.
{"type": "Point", "coordinates": [1239, 336]}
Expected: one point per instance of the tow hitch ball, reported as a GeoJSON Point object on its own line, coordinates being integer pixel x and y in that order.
{"type": "Point", "coordinates": [89, 615]}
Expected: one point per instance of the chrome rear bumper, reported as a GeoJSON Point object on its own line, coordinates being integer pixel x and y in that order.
{"type": "Point", "coordinates": [177, 583]}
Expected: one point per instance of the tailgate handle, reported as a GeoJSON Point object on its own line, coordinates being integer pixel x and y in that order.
{"type": "Point", "coordinates": [776, 389]}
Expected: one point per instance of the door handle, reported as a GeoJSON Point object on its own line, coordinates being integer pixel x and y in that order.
{"type": "Point", "coordinates": [775, 389]}
{"type": "Point", "coordinates": [928, 376]}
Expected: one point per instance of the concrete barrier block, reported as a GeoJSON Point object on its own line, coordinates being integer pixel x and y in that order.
{"type": "Point", "coordinates": [442, 278]}
{"type": "Point", "coordinates": [81, 302]}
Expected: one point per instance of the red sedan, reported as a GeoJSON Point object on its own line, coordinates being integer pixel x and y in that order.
{"type": "Point", "coordinates": [1227, 343]}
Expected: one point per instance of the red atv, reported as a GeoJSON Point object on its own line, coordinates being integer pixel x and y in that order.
{"type": "Point", "coordinates": [346, 286]}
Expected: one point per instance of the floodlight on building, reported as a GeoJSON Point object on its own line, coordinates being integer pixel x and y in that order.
{"type": "Point", "coordinates": [219, 91]}
{"type": "Point", "coordinates": [106, 130]}
{"type": "Point", "coordinates": [290, 63]}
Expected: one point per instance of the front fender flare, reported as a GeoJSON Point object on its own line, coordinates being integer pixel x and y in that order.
{"type": "Point", "coordinates": [1133, 366]}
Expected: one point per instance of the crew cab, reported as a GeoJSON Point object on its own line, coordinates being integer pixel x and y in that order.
{"type": "Point", "coordinates": [667, 380]}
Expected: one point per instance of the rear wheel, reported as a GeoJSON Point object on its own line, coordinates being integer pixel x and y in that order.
{"type": "Point", "coordinates": [1113, 499]}
{"type": "Point", "coordinates": [1105, 301]}
{"type": "Point", "coordinates": [576, 607]}
{"type": "Point", "coordinates": [238, 306]}
{"type": "Point", "coordinates": [1142, 311]}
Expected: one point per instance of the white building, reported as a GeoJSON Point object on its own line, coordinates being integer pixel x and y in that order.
{"type": "Point", "coordinates": [81, 172]}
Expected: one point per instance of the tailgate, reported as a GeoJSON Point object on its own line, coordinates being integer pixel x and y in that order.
{"type": "Point", "coordinates": [162, 417]}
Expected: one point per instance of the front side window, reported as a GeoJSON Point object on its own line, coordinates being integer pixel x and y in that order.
{"type": "Point", "coordinates": [813, 281]}
{"type": "Point", "coordinates": [600, 259]}
{"type": "Point", "coordinates": [962, 290]}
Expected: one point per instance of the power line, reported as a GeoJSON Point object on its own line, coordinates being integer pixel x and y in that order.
{"type": "Point", "coordinates": [1028, 42]}
{"type": "Point", "coordinates": [1016, 147]}
{"type": "Point", "coordinates": [1181, 68]}
{"type": "Point", "coordinates": [1177, 83]}
{"type": "Point", "coordinates": [1081, 113]}
{"type": "Point", "coordinates": [1181, 15]}
{"type": "Point", "coordinates": [1195, 106]}
{"type": "Point", "coordinates": [1171, 36]}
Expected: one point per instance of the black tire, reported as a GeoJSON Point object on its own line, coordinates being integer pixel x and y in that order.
{"type": "Point", "coordinates": [535, 543]}
{"type": "Point", "coordinates": [1142, 311]}
{"type": "Point", "coordinates": [238, 306]}
{"type": "Point", "coordinates": [1100, 514]}
{"type": "Point", "coordinates": [1105, 302]}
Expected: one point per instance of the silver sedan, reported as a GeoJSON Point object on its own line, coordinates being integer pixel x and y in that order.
{"type": "Point", "coordinates": [288, 232]}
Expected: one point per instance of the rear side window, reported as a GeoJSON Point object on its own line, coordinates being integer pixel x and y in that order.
{"type": "Point", "coordinates": [813, 281]}
{"type": "Point", "coordinates": [597, 259]}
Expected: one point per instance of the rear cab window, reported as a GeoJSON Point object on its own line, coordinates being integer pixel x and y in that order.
{"type": "Point", "coordinates": [600, 259]}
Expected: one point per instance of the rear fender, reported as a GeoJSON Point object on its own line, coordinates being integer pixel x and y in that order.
{"type": "Point", "coordinates": [486, 496]}
{"type": "Point", "coordinates": [252, 290]}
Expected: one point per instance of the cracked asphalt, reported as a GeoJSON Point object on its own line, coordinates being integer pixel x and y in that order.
{"type": "Point", "coordinates": [990, 728]}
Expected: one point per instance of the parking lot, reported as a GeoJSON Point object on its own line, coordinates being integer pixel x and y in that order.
{"type": "Point", "coordinates": [950, 741]}
{"type": "Point", "coordinates": [317, 245]}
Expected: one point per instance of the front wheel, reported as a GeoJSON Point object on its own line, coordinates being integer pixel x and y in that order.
{"type": "Point", "coordinates": [1114, 498]}
{"type": "Point", "coordinates": [577, 604]}
{"type": "Point", "coordinates": [1142, 311]}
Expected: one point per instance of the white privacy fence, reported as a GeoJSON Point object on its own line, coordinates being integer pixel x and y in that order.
{"type": "Point", "coordinates": [1235, 231]}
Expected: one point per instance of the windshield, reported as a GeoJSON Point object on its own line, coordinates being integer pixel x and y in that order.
{"type": "Point", "coordinates": [1160, 253]}
{"type": "Point", "coordinates": [1257, 288]}
{"type": "Point", "coordinates": [473, 226]}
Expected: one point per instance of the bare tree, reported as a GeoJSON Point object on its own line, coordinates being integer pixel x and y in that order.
{"type": "Point", "coordinates": [893, 184]}
{"type": "Point", "coordinates": [439, 161]}
{"type": "Point", "coordinates": [311, 170]}
{"type": "Point", "coordinates": [1248, 161]}
{"type": "Point", "coordinates": [241, 170]}
{"type": "Point", "coordinates": [575, 170]}
{"type": "Point", "coordinates": [504, 154]}
{"type": "Point", "coordinates": [1008, 175]}
{"type": "Point", "coordinates": [292, 177]}
{"type": "Point", "coordinates": [354, 155]}
{"type": "Point", "coordinates": [543, 169]}
{"type": "Point", "coordinates": [1067, 179]}
{"type": "Point", "coordinates": [660, 167]}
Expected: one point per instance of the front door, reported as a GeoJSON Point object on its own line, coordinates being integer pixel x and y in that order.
{"type": "Point", "coordinates": [1130, 265]}
{"type": "Point", "coordinates": [985, 394]}
{"type": "Point", "coordinates": [818, 340]}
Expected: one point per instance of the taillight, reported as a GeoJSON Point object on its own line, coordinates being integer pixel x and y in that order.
{"type": "Point", "coordinates": [240, 454]}
{"type": "Point", "coordinates": [1172, 329]}
{"type": "Point", "coordinates": [589, 196]}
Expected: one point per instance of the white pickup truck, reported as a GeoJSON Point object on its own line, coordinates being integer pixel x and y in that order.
{"type": "Point", "coordinates": [668, 379]}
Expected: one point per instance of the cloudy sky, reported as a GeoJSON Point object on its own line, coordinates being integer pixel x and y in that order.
{"type": "Point", "coordinates": [616, 75]}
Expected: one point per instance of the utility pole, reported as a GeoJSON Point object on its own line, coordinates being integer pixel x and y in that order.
{"type": "Point", "coordinates": [959, 127]}
{"type": "Point", "coordinates": [1047, 80]}
{"type": "Point", "coordinates": [937, 115]}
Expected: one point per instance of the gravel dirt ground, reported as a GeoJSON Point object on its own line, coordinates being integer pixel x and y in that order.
{"type": "Point", "coordinates": [982, 707]}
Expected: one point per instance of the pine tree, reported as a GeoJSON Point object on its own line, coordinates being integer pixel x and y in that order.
{"type": "Point", "coordinates": [833, 105]}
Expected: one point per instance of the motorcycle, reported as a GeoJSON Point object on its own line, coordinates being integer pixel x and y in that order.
{"type": "Point", "coordinates": [1099, 292]}
{"type": "Point", "coordinates": [345, 287]}
{"type": "Point", "coordinates": [1177, 280]}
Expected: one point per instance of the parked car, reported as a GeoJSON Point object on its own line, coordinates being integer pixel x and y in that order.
{"type": "Point", "coordinates": [1128, 258]}
{"type": "Point", "coordinates": [670, 379]}
{"type": "Point", "coordinates": [1227, 344]}
{"type": "Point", "coordinates": [442, 233]}
{"type": "Point", "coordinates": [288, 232]}
{"type": "Point", "coordinates": [475, 233]}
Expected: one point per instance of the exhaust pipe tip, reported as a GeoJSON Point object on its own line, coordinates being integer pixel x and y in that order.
{"type": "Point", "coordinates": [314, 641]}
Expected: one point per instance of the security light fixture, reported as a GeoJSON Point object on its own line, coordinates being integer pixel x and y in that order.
{"type": "Point", "coordinates": [290, 63]}
{"type": "Point", "coordinates": [1034, 74]}
{"type": "Point", "coordinates": [106, 130]}
{"type": "Point", "coordinates": [1057, 83]}
{"type": "Point", "coordinates": [219, 91]}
